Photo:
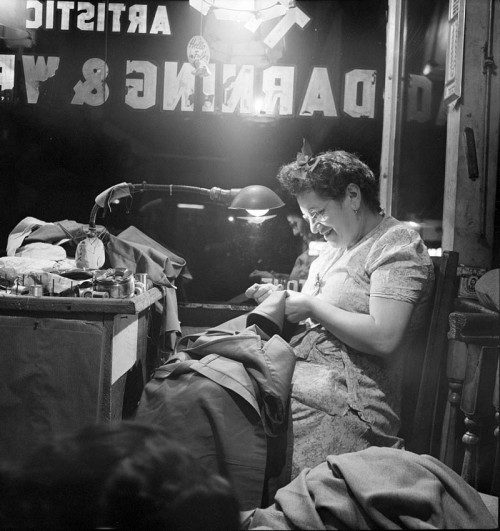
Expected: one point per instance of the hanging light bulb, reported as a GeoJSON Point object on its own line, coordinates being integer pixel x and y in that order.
{"type": "Point", "coordinates": [256, 220]}
{"type": "Point", "coordinates": [257, 212]}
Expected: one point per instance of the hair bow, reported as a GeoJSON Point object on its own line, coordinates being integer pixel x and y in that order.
{"type": "Point", "coordinates": [305, 160]}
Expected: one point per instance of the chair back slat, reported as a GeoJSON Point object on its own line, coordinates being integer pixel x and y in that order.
{"type": "Point", "coordinates": [422, 426]}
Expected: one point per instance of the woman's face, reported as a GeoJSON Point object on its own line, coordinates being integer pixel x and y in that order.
{"type": "Point", "coordinates": [334, 220]}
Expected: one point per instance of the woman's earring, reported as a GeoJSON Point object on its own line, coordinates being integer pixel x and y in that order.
{"type": "Point", "coordinates": [355, 210]}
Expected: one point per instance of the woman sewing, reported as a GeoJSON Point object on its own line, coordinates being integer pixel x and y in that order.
{"type": "Point", "coordinates": [362, 305]}
{"type": "Point", "coordinates": [301, 229]}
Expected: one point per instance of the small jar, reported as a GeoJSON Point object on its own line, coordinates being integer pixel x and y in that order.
{"type": "Point", "coordinates": [36, 290]}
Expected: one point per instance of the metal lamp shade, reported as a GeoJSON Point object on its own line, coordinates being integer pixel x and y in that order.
{"type": "Point", "coordinates": [256, 197]}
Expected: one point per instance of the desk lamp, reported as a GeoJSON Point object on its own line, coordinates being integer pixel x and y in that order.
{"type": "Point", "coordinates": [257, 200]}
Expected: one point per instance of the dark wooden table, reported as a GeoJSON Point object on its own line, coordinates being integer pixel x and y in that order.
{"type": "Point", "coordinates": [64, 363]}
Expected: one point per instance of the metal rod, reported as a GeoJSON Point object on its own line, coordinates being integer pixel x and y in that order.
{"type": "Point", "coordinates": [215, 194]}
{"type": "Point", "coordinates": [488, 66]}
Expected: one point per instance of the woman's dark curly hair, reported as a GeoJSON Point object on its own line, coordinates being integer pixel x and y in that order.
{"type": "Point", "coordinates": [330, 176]}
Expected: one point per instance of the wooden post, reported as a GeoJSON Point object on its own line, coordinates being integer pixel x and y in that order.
{"type": "Point", "coordinates": [477, 404]}
{"type": "Point", "coordinates": [456, 365]}
{"type": "Point", "coordinates": [393, 104]}
{"type": "Point", "coordinates": [473, 129]}
{"type": "Point", "coordinates": [495, 482]}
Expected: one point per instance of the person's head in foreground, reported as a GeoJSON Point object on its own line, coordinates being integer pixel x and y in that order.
{"type": "Point", "coordinates": [114, 476]}
{"type": "Point", "coordinates": [337, 194]}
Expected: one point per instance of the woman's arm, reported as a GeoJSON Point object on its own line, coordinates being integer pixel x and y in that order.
{"type": "Point", "coordinates": [378, 332]}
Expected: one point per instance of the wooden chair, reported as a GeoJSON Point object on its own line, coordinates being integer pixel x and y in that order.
{"type": "Point", "coordinates": [470, 441]}
{"type": "Point", "coordinates": [424, 379]}
{"type": "Point", "coordinates": [454, 386]}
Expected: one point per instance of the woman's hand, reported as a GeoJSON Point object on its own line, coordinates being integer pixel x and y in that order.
{"type": "Point", "coordinates": [257, 273]}
{"type": "Point", "coordinates": [260, 292]}
{"type": "Point", "coordinates": [297, 306]}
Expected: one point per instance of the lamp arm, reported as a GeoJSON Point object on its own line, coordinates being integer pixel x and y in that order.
{"type": "Point", "coordinates": [93, 215]}
{"type": "Point", "coordinates": [214, 193]}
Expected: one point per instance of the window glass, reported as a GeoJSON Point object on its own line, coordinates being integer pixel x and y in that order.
{"type": "Point", "coordinates": [420, 182]}
{"type": "Point", "coordinates": [67, 136]}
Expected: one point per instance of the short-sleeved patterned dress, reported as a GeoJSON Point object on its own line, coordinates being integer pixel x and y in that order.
{"type": "Point", "coordinates": [344, 400]}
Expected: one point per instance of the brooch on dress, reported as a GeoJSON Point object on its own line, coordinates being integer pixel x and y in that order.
{"type": "Point", "coordinates": [318, 284]}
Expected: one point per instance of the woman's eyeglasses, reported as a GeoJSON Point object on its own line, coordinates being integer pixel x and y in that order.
{"type": "Point", "coordinates": [319, 216]}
